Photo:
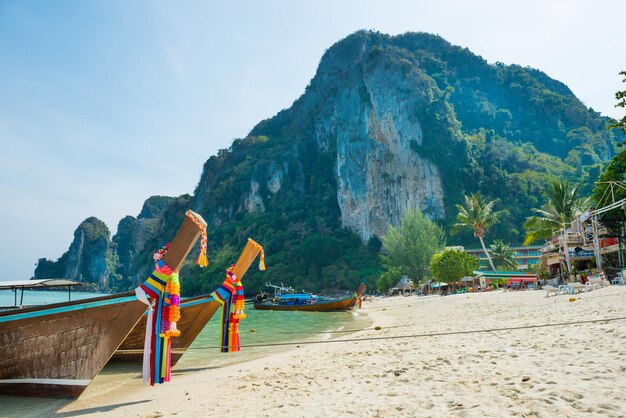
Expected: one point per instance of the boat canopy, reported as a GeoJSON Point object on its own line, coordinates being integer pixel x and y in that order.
{"type": "Point", "coordinates": [16, 285]}
{"type": "Point", "coordinates": [436, 285]}
{"type": "Point", "coordinates": [304, 296]}
{"type": "Point", "coordinates": [33, 284]}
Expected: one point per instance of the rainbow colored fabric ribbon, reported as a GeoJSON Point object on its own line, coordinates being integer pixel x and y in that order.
{"type": "Point", "coordinates": [161, 326]}
{"type": "Point", "coordinates": [229, 293]}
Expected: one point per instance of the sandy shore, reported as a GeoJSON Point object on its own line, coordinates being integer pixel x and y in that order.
{"type": "Point", "coordinates": [572, 370]}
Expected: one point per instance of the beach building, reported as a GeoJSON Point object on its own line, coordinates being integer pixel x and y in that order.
{"type": "Point", "coordinates": [580, 245]}
{"type": "Point", "coordinates": [526, 256]}
{"type": "Point", "coordinates": [404, 286]}
{"type": "Point", "coordinates": [513, 278]}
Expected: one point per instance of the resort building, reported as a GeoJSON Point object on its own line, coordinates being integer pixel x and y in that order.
{"type": "Point", "coordinates": [526, 256]}
{"type": "Point", "coordinates": [583, 245]}
{"type": "Point", "coordinates": [510, 279]}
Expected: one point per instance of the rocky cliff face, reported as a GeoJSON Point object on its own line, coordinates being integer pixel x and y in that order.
{"type": "Point", "coordinates": [365, 110]}
{"type": "Point", "coordinates": [372, 126]}
{"type": "Point", "coordinates": [124, 261]}
{"type": "Point", "coordinates": [388, 123]}
{"type": "Point", "coordinates": [134, 233]}
{"type": "Point", "coordinates": [88, 258]}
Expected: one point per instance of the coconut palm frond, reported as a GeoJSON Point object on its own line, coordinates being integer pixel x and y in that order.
{"type": "Point", "coordinates": [503, 255]}
{"type": "Point", "coordinates": [562, 207]}
{"type": "Point", "coordinates": [538, 228]}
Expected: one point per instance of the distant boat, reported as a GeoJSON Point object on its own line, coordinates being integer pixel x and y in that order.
{"type": "Point", "coordinates": [56, 350]}
{"type": "Point", "coordinates": [195, 314]}
{"type": "Point", "coordinates": [285, 299]}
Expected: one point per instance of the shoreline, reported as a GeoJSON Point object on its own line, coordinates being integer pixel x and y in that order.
{"type": "Point", "coordinates": [124, 380]}
{"type": "Point", "coordinates": [543, 372]}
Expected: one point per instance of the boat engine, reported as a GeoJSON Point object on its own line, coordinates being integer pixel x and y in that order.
{"type": "Point", "coordinates": [261, 297]}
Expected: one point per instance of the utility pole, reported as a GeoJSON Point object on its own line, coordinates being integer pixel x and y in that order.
{"type": "Point", "coordinates": [596, 242]}
{"type": "Point", "coordinates": [568, 265]}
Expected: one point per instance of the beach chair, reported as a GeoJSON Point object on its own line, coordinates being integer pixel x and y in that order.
{"type": "Point", "coordinates": [550, 289]}
{"type": "Point", "coordinates": [593, 283]}
{"type": "Point", "coordinates": [575, 287]}
{"type": "Point", "coordinates": [563, 288]}
{"type": "Point", "coordinates": [598, 281]}
{"type": "Point", "coordinates": [619, 279]}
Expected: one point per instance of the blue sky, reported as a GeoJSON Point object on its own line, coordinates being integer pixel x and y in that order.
{"type": "Point", "coordinates": [105, 103]}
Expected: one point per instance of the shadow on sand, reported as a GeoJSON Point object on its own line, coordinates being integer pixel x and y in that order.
{"type": "Point", "coordinates": [108, 408]}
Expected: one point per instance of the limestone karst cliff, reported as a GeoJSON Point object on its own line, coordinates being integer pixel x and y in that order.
{"type": "Point", "coordinates": [87, 260]}
{"type": "Point", "coordinates": [387, 123]}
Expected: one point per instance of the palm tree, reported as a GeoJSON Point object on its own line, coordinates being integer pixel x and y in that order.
{"type": "Point", "coordinates": [478, 214]}
{"type": "Point", "coordinates": [503, 255]}
{"type": "Point", "coordinates": [561, 208]}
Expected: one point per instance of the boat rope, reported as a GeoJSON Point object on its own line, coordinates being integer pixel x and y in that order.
{"type": "Point", "coordinates": [343, 331]}
{"type": "Point", "coordinates": [434, 334]}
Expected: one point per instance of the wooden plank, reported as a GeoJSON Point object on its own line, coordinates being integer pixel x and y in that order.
{"type": "Point", "coordinates": [183, 242]}
{"type": "Point", "coordinates": [249, 253]}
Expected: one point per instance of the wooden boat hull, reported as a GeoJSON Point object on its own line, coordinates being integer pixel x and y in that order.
{"type": "Point", "coordinates": [56, 350]}
{"type": "Point", "coordinates": [195, 313]}
{"type": "Point", "coordinates": [330, 306]}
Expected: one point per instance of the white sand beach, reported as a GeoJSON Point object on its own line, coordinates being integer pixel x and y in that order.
{"type": "Point", "coordinates": [568, 371]}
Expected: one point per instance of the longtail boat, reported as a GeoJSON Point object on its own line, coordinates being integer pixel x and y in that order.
{"type": "Point", "coordinates": [285, 299]}
{"type": "Point", "coordinates": [56, 350]}
{"type": "Point", "coordinates": [195, 314]}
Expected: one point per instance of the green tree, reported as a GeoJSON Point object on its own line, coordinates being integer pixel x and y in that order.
{"type": "Point", "coordinates": [451, 265]}
{"type": "Point", "coordinates": [387, 279]}
{"type": "Point", "coordinates": [410, 247]}
{"type": "Point", "coordinates": [562, 206]}
{"type": "Point", "coordinates": [503, 255]}
{"type": "Point", "coordinates": [478, 215]}
{"type": "Point", "coordinates": [620, 96]}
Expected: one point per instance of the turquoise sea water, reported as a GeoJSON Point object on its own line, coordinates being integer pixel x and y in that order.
{"type": "Point", "coordinates": [257, 331]}
{"type": "Point", "coordinates": [42, 297]}
{"type": "Point", "coordinates": [262, 328]}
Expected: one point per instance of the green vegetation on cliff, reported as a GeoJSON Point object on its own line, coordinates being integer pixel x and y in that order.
{"type": "Point", "coordinates": [388, 123]}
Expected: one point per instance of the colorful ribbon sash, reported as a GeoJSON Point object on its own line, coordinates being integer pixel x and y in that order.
{"type": "Point", "coordinates": [161, 324]}
{"type": "Point", "coordinates": [229, 293]}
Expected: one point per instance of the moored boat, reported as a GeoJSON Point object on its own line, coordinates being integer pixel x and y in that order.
{"type": "Point", "coordinates": [56, 350]}
{"type": "Point", "coordinates": [195, 314]}
{"type": "Point", "coordinates": [285, 299]}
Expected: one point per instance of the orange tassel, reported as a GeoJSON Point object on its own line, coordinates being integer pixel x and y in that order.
{"type": "Point", "coordinates": [202, 260]}
{"type": "Point", "coordinates": [262, 261]}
